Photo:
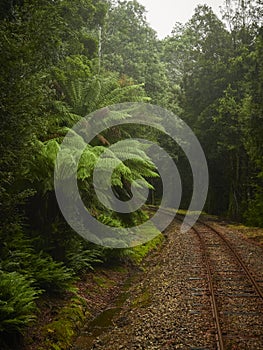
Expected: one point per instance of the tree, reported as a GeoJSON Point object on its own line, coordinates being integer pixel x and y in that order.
{"type": "Point", "coordinates": [130, 47]}
{"type": "Point", "coordinates": [252, 125]}
{"type": "Point", "coordinates": [35, 36]}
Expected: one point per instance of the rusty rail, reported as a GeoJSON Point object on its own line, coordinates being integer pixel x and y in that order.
{"type": "Point", "coordinates": [238, 259]}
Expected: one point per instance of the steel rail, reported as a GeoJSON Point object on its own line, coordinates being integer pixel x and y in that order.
{"type": "Point", "coordinates": [230, 247]}
{"type": "Point", "coordinates": [220, 341]}
{"type": "Point", "coordinates": [219, 335]}
{"type": "Point", "coordinates": [238, 259]}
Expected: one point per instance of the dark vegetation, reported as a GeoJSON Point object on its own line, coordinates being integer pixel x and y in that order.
{"type": "Point", "coordinates": [61, 60]}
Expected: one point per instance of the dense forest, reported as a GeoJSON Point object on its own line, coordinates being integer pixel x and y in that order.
{"type": "Point", "coordinates": [63, 59]}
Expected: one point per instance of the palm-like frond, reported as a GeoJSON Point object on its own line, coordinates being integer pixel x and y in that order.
{"type": "Point", "coordinates": [84, 96]}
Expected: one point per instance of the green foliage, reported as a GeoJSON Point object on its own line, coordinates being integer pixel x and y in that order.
{"type": "Point", "coordinates": [131, 48]}
{"type": "Point", "coordinates": [208, 73]}
{"type": "Point", "coordinates": [219, 77]}
{"type": "Point", "coordinates": [137, 254]}
{"type": "Point", "coordinates": [17, 304]}
{"type": "Point", "coordinates": [109, 220]}
{"type": "Point", "coordinates": [19, 254]}
{"type": "Point", "coordinates": [50, 275]}
{"type": "Point", "coordinates": [85, 95]}
{"type": "Point", "coordinates": [140, 252]}
{"type": "Point", "coordinates": [30, 106]}
{"type": "Point", "coordinates": [39, 170]}
{"type": "Point", "coordinates": [254, 213]}
{"type": "Point", "coordinates": [83, 259]}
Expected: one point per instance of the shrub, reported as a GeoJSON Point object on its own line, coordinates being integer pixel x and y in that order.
{"type": "Point", "coordinates": [254, 214]}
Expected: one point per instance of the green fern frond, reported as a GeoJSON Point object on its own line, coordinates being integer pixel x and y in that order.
{"type": "Point", "coordinates": [17, 304]}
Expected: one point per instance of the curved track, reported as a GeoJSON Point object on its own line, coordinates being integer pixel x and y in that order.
{"type": "Point", "coordinates": [233, 290]}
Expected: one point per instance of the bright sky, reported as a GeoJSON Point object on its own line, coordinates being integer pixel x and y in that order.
{"type": "Point", "coordinates": [162, 14]}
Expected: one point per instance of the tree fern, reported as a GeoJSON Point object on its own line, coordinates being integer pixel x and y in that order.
{"type": "Point", "coordinates": [39, 169]}
{"type": "Point", "coordinates": [83, 93]}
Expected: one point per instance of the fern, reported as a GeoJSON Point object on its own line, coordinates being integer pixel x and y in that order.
{"type": "Point", "coordinates": [63, 115]}
{"type": "Point", "coordinates": [85, 95]}
{"type": "Point", "coordinates": [39, 168]}
{"type": "Point", "coordinates": [83, 260]}
{"type": "Point", "coordinates": [17, 304]}
{"type": "Point", "coordinates": [88, 161]}
{"type": "Point", "coordinates": [45, 273]}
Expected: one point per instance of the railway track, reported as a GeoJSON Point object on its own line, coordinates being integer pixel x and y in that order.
{"type": "Point", "coordinates": [235, 294]}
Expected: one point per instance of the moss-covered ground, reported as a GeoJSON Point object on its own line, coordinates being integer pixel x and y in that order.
{"type": "Point", "coordinates": [61, 318]}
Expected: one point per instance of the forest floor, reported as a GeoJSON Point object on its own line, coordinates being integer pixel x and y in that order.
{"type": "Point", "coordinates": [148, 307]}
{"type": "Point", "coordinates": [61, 317]}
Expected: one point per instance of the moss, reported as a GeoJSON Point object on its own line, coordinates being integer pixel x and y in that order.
{"type": "Point", "coordinates": [238, 227]}
{"type": "Point", "coordinates": [143, 300]}
{"type": "Point", "coordinates": [253, 233]}
{"type": "Point", "coordinates": [60, 332]}
{"type": "Point", "coordinates": [67, 320]}
{"type": "Point", "coordinates": [139, 252]}
{"type": "Point", "coordinates": [120, 269]}
{"type": "Point", "coordinates": [102, 281]}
